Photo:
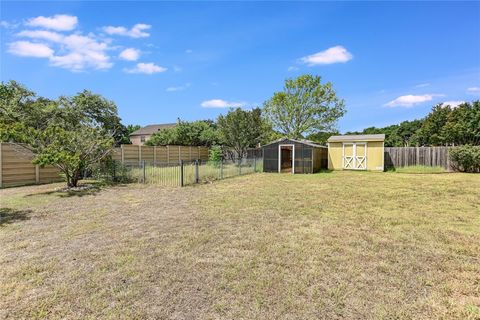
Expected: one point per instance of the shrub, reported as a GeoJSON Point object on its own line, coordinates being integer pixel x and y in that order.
{"type": "Point", "coordinates": [465, 158]}
{"type": "Point", "coordinates": [215, 154]}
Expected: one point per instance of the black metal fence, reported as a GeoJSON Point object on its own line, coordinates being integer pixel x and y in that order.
{"type": "Point", "coordinates": [176, 175]}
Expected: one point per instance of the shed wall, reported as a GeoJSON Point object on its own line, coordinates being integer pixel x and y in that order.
{"type": "Point", "coordinates": [375, 157]}
{"type": "Point", "coordinates": [335, 156]}
{"type": "Point", "coordinates": [308, 159]}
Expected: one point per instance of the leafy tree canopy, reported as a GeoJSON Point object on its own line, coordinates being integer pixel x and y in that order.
{"type": "Point", "coordinates": [196, 133]}
{"type": "Point", "coordinates": [444, 125]}
{"type": "Point", "coordinates": [71, 133]}
{"type": "Point", "coordinates": [305, 106]}
{"type": "Point", "coordinates": [242, 129]}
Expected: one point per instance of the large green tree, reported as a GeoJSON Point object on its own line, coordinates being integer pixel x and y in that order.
{"type": "Point", "coordinates": [196, 133]}
{"type": "Point", "coordinates": [242, 129]}
{"type": "Point", "coordinates": [71, 133]}
{"type": "Point", "coordinates": [305, 106]}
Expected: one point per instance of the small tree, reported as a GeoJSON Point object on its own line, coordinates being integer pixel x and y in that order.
{"type": "Point", "coordinates": [241, 129]}
{"type": "Point", "coordinates": [305, 106]}
{"type": "Point", "coordinates": [71, 133]}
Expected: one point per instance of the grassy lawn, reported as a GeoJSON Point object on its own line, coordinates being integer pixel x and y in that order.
{"type": "Point", "coordinates": [352, 245]}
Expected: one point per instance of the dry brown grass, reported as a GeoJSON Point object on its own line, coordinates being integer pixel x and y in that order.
{"type": "Point", "coordinates": [266, 246]}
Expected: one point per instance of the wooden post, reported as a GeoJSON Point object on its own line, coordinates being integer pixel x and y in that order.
{"type": "Point", "coordinates": [144, 173]}
{"type": "Point", "coordinates": [168, 155]}
{"type": "Point", "coordinates": [197, 176]}
{"type": "Point", "coordinates": [140, 153]}
{"type": "Point", "coordinates": [37, 174]}
{"type": "Point", "coordinates": [179, 153]}
{"type": "Point", "coordinates": [181, 173]}
{"type": "Point", "coordinates": [123, 155]}
{"type": "Point", "coordinates": [1, 165]}
{"type": "Point", "coordinates": [154, 155]}
{"type": "Point", "coordinates": [221, 168]}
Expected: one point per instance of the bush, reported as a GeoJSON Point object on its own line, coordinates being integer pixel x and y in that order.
{"type": "Point", "coordinates": [465, 158]}
{"type": "Point", "coordinates": [215, 154]}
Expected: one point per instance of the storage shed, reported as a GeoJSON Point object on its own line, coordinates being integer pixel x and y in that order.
{"type": "Point", "coordinates": [294, 156]}
{"type": "Point", "coordinates": [356, 152]}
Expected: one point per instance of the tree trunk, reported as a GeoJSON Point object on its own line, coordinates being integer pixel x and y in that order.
{"type": "Point", "coordinates": [73, 180]}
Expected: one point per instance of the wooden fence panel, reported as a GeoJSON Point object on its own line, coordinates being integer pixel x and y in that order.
{"type": "Point", "coordinates": [128, 153]}
{"type": "Point", "coordinates": [16, 168]}
{"type": "Point", "coordinates": [410, 156]}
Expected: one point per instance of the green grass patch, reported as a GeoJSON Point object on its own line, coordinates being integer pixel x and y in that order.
{"type": "Point", "coordinates": [420, 169]}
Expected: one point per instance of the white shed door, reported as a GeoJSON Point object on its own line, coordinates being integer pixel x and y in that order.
{"type": "Point", "coordinates": [355, 156]}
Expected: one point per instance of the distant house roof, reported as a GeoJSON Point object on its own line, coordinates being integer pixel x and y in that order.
{"type": "Point", "coordinates": [357, 137]}
{"type": "Point", "coordinates": [307, 142]}
{"type": "Point", "coordinates": [152, 128]}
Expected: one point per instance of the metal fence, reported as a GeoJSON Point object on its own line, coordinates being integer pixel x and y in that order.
{"type": "Point", "coordinates": [176, 175]}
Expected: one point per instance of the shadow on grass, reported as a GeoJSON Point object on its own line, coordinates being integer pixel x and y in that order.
{"type": "Point", "coordinates": [9, 215]}
{"type": "Point", "coordinates": [94, 188]}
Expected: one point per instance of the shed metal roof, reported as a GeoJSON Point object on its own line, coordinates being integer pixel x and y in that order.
{"type": "Point", "coordinates": [152, 128]}
{"type": "Point", "coordinates": [303, 141]}
{"type": "Point", "coordinates": [357, 137]}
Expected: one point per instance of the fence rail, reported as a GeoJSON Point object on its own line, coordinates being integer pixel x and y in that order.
{"type": "Point", "coordinates": [411, 156]}
{"type": "Point", "coordinates": [177, 175]}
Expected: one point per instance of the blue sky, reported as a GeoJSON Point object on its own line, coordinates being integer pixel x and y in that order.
{"type": "Point", "coordinates": [160, 61]}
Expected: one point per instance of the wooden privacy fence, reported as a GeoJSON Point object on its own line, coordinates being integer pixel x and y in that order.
{"type": "Point", "coordinates": [411, 156]}
{"type": "Point", "coordinates": [16, 168]}
{"type": "Point", "coordinates": [170, 154]}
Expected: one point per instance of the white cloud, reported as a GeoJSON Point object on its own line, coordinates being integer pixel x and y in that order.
{"type": "Point", "coordinates": [422, 85]}
{"type": "Point", "coordinates": [219, 103]}
{"type": "Point", "coordinates": [130, 54]}
{"type": "Point", "coordinates": [292, 68]}
{"type": "Point", "coordinates": [411, 100]}
{"type": "Point", "coordinates": [188, 51]}
{"type": "Point", "coordinates": [178, 88]}
{"type": "Point", "coordinates": [60, 22]}
{"type": "Point", "coordinates": [75, 52]}
{"type": "Point", "coordinates": [147, 68]}
{"type": "Point", "coordinates": [453, 103]}
{"type": "Point", "coordinates": [337, 54]}
{"type": "Point", "coordinates": [41, 34]}
{"type": "Point", "coordinates": [30, 49]}
{"type": "Point", "coordinates": [82, 52]}
{"type": "Point", "coordinates": [8, 25]}
{"type": "Point", "coordinates": [137, 31]}
{"type": "Point", "coordinates": [473, 90]}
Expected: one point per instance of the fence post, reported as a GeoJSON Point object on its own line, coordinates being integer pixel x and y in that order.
{"type": "Point", "coordinates": [144, 175]}
{"type": "Point", "coordinates": [123, 154]}
{"type": "Point", "coordinates": [181, 173]}
{"type": "Point", "coordinates": [240, 167]}
{"type": "Point", "coordinates": [197, 176]}
{"type": "Point", "coordinates": [221, 168]}
{"type": "Point", "coordinates": [37, 174]}
{"type": "Point", "coordinates": [154, 155]}
{"type": "Point", "coordinates": [255, 164]}
{"type": "Point", "coordinates": [140, 153]}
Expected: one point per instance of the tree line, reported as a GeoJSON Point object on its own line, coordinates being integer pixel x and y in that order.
{"type": "Point", "coordinates": [443, 126]}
